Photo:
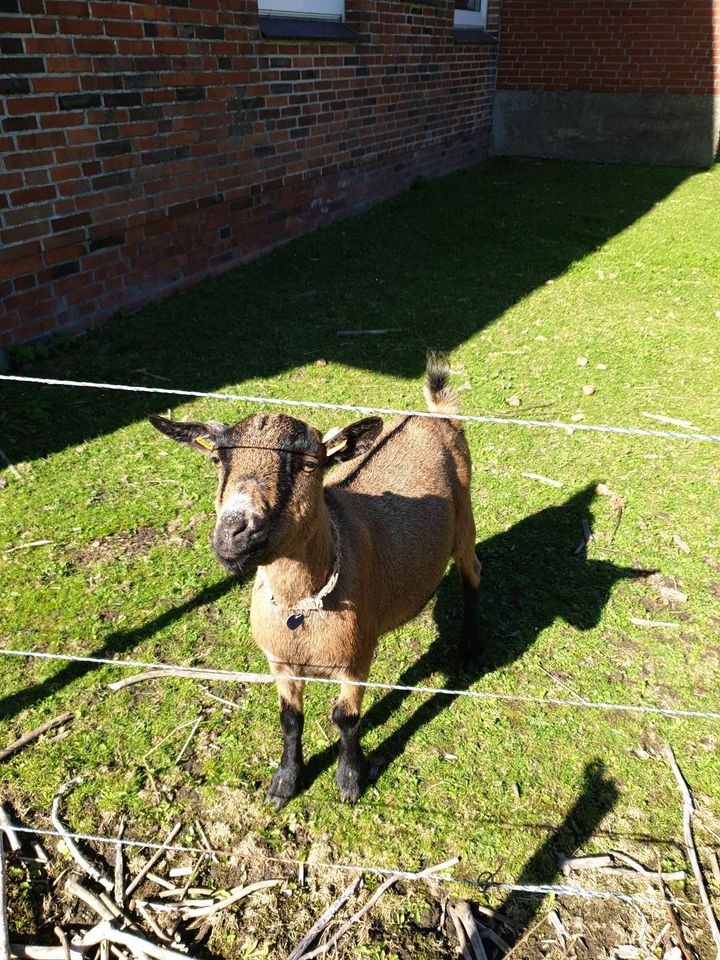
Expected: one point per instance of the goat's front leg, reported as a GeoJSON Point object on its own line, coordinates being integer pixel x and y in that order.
{"type": "Point", "coordinates": [352, 765]}
{"type": "Point", "coordinates": [286, 779]}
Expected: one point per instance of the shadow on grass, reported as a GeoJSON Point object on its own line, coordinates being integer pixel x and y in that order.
{"type": "Point", "coordinates": [116, 643]}
{"type": "Point", "coordinates": [599, 795]}
{"type": "Point", "coordinates": [441, 263]}
{"type": "Point", "coordinates": [531, 577]}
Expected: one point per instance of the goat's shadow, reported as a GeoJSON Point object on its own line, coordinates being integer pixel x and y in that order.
{"type": "Point", "coordinates": [531, 577]}
{"type": "Point", "coordinates": [116, 643]}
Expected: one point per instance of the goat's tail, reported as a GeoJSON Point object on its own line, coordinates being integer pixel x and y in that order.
{"type": "Point", "coordinates": [439, 395]}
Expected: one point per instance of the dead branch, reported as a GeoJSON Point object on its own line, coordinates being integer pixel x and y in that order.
{"type": "Point", "coordinates": [637, 867]}
{"type": "Point", "coordinates": [688, 809]}
{"type": "Point", "coordinates": [675, 925]}
{"type": "Point", "coordinates": [237, 893]}
{"type": "Point", "coordinates": [64, 942]}
{"type": "Point", "coordinates": [525, 937]}
{"type": "Point", "coordinates": [205, 842]}
{"type": "Point", "coordinates": [373, 899]}
{"type": "Point", "coordinates": [137, 945]}
{"type": "Point", "coordinates": [7, 829]}
{"type": "Point", "coordinates": [27, 546]}
{"type": "Point", "coordinates": [74, 850]}
{"type": "Point", "coordinates": [24, 951]}
{"type": "Point", "coordinates": [34, 734]}
{"type": "Point", "coordinates": [4, 932]}
{"type": "Point", "coordinates": [158, 855]}
{"type": "Point", "coordinates": [119, 880]}
{"type": "Point", "coordinates": [151, 922]}
{"type": "Point", "coordinates": [184, 747]}
{"type": "Point", "coordinates": [92, 900]}
{"type": "Point", "coordinates": [233, 676]}
{"type": "Point", "coordinates": [317, 928]}
{"type": "Point", "coordinates": [463, 942]}
{"type": "Point", "coordinates": [464, 914]}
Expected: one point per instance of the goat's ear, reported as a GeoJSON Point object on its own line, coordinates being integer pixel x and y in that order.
{"type": "Point", "coordinates": [199, 436]}
{"type": "Point", "coordinates": [345, 443]}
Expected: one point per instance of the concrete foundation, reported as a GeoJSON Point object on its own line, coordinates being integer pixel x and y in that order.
{"type": "Point", "coordinates": [621, 127]}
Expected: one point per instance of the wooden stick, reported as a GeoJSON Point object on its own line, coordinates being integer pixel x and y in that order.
{"type": "Point", "coordinates": [525, 937]}
{"type": "Point", "coordinates": [4, 931]}
{"type": "Point", "coordinates": [136, 944]}
{"type": "Point", "coordinates": [205, 842]}
{"type": "Point", "coordinates": [119, 879]}
{"type": "Point", "coordinates": [158, 855]}
{"type": "Point", "coordinates": [34, 734]}
{"type": "Point", "coordinates": [676, 928]}
{"type": "Point", "coordinates": [464, 913]}
{"type": "Point", "coordinates": [6, 828]}
{"type": "Point", "coordinates": [27, 546]}
{"type": "Point", "coordinates": [637, 867]}
{"type": "Point", "coordinates": [151, 922]}
{"type": "Point", "coordinates": [25, 951]}
{"type": "Point", "coordinates": [238, 893]}
{"type": "Point", "coordinates": [184, 747]}
{"type": "Point", "coordinates": [688, 808]}
{"type": "Point", "coordinates": [90, 899]}
{"type": "Point", "coordinates": [317, 928]}
{"type": "Point", "coordinates": [463, 942]}
{"type": "Point", "coordinates": [234, 676]}
{"type": "Point", "coordinates": [64, 942]}
{"type": "Point", "coordinates": [74, 850]}
{"type": "Point", "coordinates": [376, 896]}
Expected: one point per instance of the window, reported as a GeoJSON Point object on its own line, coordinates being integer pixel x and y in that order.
{"type": "Point", "coordinates": [471, 13]}
{"type": "Point", "coordinates": [305, 9]}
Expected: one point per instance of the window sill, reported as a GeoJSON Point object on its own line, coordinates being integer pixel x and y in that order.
{"type": "Point", "coordinates": [474, 35]}
{"type": "Point", "coordinates": [294, 27]}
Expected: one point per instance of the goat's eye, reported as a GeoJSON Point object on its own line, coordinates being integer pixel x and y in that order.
{"type": "Point", "coordinates": [215, 460]}
{"type": "Point", "coordinates": [309, 465]}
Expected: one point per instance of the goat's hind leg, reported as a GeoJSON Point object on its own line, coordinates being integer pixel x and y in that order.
{"type": "Point", "coordinates": [468, 565]}
{"type": "Point", "coordinates": [352, 765]}
{"type": "Point", "coordinates": [286, 780]}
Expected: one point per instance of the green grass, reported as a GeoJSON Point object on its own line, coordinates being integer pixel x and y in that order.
{"type": "Point", "coordinates": [517, 269]}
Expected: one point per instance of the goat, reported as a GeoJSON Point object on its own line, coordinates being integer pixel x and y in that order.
{"type": "Point", "coordinates": [343, 562]}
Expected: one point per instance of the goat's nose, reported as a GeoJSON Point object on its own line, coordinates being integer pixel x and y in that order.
{"type": "Point", "coordinates": [237, 526]}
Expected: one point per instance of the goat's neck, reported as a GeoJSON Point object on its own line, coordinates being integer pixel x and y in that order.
{"type": "Point", "coordinates": [306, 569]}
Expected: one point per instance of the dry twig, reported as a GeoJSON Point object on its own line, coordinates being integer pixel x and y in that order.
{"type": "Point", "coordinates": [463, 941]}
{"type": "Point", "coordinates": [688, 809]}
{"type": "Point", "coordinates": [373, 899]}
{"type": "Point", "coordinates": [119, 880]}
{"type": "Point", "coordinates": [4, 932]}
{"type": "Point", "coordinates": [153, 859]}
{"type": "Point", "coordinates": [137, 945]}
{"type": "Point", "coordinates": [462, 911]}
{"type": "Point", "coordinates": [237, 893]}
{"type": "Point", "coordinates": [72, 847]}
{"type": "Point", "coordinates": [7, 828]}
{"type": "Point", "coordinates": [317, 928]}
{"type": "Point", "coordinates": [34, 734]}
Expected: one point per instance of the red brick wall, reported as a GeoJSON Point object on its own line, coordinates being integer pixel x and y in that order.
{"type": "Point", "coordinates": [610, 46]}
{"type": "Point", "coordinates": [147, 145]}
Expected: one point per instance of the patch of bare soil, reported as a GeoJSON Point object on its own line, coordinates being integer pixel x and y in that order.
{"type": "Point", "coordinates": [177, 533]}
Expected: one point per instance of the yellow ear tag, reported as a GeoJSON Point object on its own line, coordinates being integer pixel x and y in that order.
{"type": "Point", "coordinates": [333, 448]}
{"type": "Point", "coordinates": [205, 442]}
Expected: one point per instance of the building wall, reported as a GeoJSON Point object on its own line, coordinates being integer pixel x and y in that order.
{"type": "Point", "coordinates": [613, 80]}
{"type": "Point", "coordinates": [147, 145]}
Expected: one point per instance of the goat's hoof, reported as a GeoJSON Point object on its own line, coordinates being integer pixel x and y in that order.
{"type": "Point", "coordinates": [350, 783]}
{"type": "Point", "coordinates": [283, 787]}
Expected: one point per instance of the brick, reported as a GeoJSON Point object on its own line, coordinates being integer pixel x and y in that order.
{"type": "Point", "coordinates": [20, 65]}
{"type": "Point", "coordinates": [79, 101]}
{"type": "Point", "coordinates": [12, 86]}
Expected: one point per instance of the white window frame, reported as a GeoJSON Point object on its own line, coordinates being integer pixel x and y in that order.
{"type": "Point", "coordinates": [305, 9]}
{"type": "Point", "coordinates": [472, 18]}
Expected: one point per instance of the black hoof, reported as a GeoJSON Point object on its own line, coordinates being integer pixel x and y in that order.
{"type": "Point", "coordinates": [284, 786]}
{"type": "Point", "coordinates": [351, 779]}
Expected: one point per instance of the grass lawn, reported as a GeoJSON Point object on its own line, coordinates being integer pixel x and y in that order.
{"type": "Point", "coordinates": [517, 269]}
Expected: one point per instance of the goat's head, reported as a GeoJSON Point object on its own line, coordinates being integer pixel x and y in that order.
{"type": "Point", "coordinates": [270, 470]}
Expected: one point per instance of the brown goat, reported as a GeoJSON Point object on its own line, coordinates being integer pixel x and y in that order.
{"type": "Point", "coordinates": [339, 563]}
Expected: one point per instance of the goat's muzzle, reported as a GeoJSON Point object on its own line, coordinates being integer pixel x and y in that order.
{"type": "Point", "coordinates": [239, 540]}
